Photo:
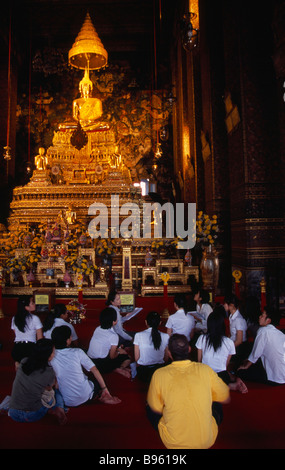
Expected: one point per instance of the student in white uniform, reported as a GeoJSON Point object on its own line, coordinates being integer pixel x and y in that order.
{"type": "Point", "coordinates": [27, 328]}
{"type": "Point", "coordinates": [68, 364]}
{"type": "Point", "coordinates": [180, 322]}
{"type": "Point", "coordinates": [203, 309]}
{"type": "Point", "coordinates": [150, 348]}
{"type": "Point", "coordinates": [59, 317]}
{"type": "Point", "coordinates": [103, 347]}
{"type": "Point", "coordinates": [266, 361]}
{"type": "Point", "coordinates": [215, 349]}
{"type": "Point", "coordinates": [238, 329]}
{"type": "Point", "coordinates": [114, 301]}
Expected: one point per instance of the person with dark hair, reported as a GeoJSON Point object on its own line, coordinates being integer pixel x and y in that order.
{"type": "Point", "coordinates": [238, 329]}
{"type": "Point", "coordinates": [184, 400]}
{"type": "Point", "coordinates": [58, 317]}
{"type": "Point", "coordinates": [215, 349]}
{"type": "Point", "coordinates": [251, 313]}
{"type": "Point", "coordinates": [103, 347]}
{"type": "Point", "coordinates": [150, 348]}
{"type": "Point", "coordinates": [266, 362]}
{"type": "Point", "coordinates": [33, 395]}
{"type": "Point", "coordinates": [203, 310]}
{"type": "Point", "coordinates": [114, 301]}
{"type": "Point", "coordinates": [180, 322]}
{"type": "Point", "coordinates": [68, 364]}
{"type": "Point", "coordinates": [27, 328]}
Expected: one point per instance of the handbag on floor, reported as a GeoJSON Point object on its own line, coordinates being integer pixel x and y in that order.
{"type": "Point", "coordinates": [47, 396]}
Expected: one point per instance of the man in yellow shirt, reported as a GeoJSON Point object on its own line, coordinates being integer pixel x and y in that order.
{"type": "Point", "coordinates": [183, 397]}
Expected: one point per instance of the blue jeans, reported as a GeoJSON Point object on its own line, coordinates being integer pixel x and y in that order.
{"type": "Point", "coordinates": [32, 416]}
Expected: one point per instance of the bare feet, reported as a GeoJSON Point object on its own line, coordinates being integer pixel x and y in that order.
{"type": "Point", "coordinates": [110, 400]}
{"type": "Point", "coordinates": [107, 398]}
{"type": "Point", "coordinates": [60, 415]}
{"type": "Point", "coordinates": [124, 372]}
{"type": "Point", "coordinates": [238, 386]}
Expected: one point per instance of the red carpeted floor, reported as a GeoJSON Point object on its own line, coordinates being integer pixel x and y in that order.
{"type": "Point", "coordinates": [251, 421]}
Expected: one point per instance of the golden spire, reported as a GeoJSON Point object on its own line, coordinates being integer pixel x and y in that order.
{"type": "Point", "coordinates": [88, 51]}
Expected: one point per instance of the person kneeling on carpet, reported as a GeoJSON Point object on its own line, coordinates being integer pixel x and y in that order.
{"type": "Point", "coordinates": [74, 384]}
{"type": "Point", "coordinates": [184, 400]}
{"type": "Point", "coordinates": [266, 362]}
{"type": "Point", "coordinates": [150, 348]}
{"type": "Point", "coordinates": [33, 395]}
{"type": "Point", "coordinates": [103, 347]}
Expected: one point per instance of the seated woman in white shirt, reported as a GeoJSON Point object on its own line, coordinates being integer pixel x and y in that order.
{"type": "Point", "coordinates": [70, 366]}
{"type": "Point", "coordinates": [114, 301]}
{"type": "Point", "coordinates": [27, 328]}
{"type": "Point", "coordinates": [59, 317]}
{"type": "Point", "coordinates": [215, 349]}
{"type": "Point", "coordinates": [103, 347]}
{"type": "Point", "coordinates": [180, 322]}
{"type": "Point", "coordinates": [203, 309]}
{"type": "Point", "coordinates": [238, 329]}
{"type": "Point", "coordinates": [150, 348]}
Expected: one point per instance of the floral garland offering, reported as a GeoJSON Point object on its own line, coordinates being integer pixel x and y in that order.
{"type": "Point", "coordinates": [16, 264]}
{"type": "Point", "coordinates": [106, 247]}
{"type": "Point", "coordinates": [76, 310]}
{"type": "Point", "coordinates": [157, 244]}
{"type": "Point", "coordinates": [206, 229]}
{"type": "Point", "coordinates": [79, 264]}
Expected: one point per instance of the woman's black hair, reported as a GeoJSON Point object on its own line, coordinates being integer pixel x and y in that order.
{"type": "Point", "coordinates": [232, 299]}
{"type": "Point", "coordinates": [22, 314]}
{"type": "Point", "coordinates": [107, 317]}
{"type": "Point", "coordinates": [216, 328]}
{"type": "Point", "coordinates": [56, 312]}
{"type": "Point", "coordinates": [251, 309]}
{"type": "Point", "coordinates": [111, 297]}
{"type": "Point", "coordinates": [38, 360]}
{"type": "Point", "coordinates": [153, 321]}
{"type": "Point", "coordinates": [204, 294]}
{"type": "Point", "coordinates": [180, 301]}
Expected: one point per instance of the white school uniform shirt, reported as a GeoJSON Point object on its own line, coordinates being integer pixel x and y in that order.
{"type": "Point", "coordinates": [217, 360]}
{"type": "Point", "coordinates": [204, 311]}
{"type": "Point", "coordinates": [118, 328]}
{"type": "Point", "coordinates": [237, 322]}
{"type": "Point", "coordinates": [181, 323]}
{"type": "Point", "coordinates": [33, 323]}
{"type": "Point", "coordinates": [72, 382]}
{"type": "Point", "coordinates": [148, 354]}
{"type": "Point", "coordinates": [61, 322]}
{"type": "Point", "coordinates": [269, 345]}
{"type": "Point", "coordinates": [101, 342]}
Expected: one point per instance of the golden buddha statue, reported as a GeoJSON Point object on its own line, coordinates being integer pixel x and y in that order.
{"type": "Point", "coordinates": [70, 215]}
{"type": "Point", "coordinates": [87, 110]}
{"type": "Point", "coordinates": [41, 159]}
{"type": "Point", "coordinates": [87, 53]}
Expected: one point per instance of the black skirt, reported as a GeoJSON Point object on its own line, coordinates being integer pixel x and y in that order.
{"type": "Point", "coordinates": [22, 349]}
{"type": "Point", "coordinates": [106, 364]}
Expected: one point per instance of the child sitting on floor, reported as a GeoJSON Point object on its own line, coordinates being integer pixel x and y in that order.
{"type": "Point", "coordinates": [103, 347]}
{"type": "Point", "coordinates": [68, 364]}
{"type": "Point", "coordinates": [216, 350]}
{"type": "Point", "coordinates": [58, 317]}
{"type": "Point", "coordinates": [203, 310]}
{"type": "Point", "coordinates": [150, 348]}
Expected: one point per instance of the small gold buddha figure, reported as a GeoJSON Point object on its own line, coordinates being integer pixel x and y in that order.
{"type": "Point", "coordinates": [41, 159]}
{"type": "Point", "coordinates": [70, 215]}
